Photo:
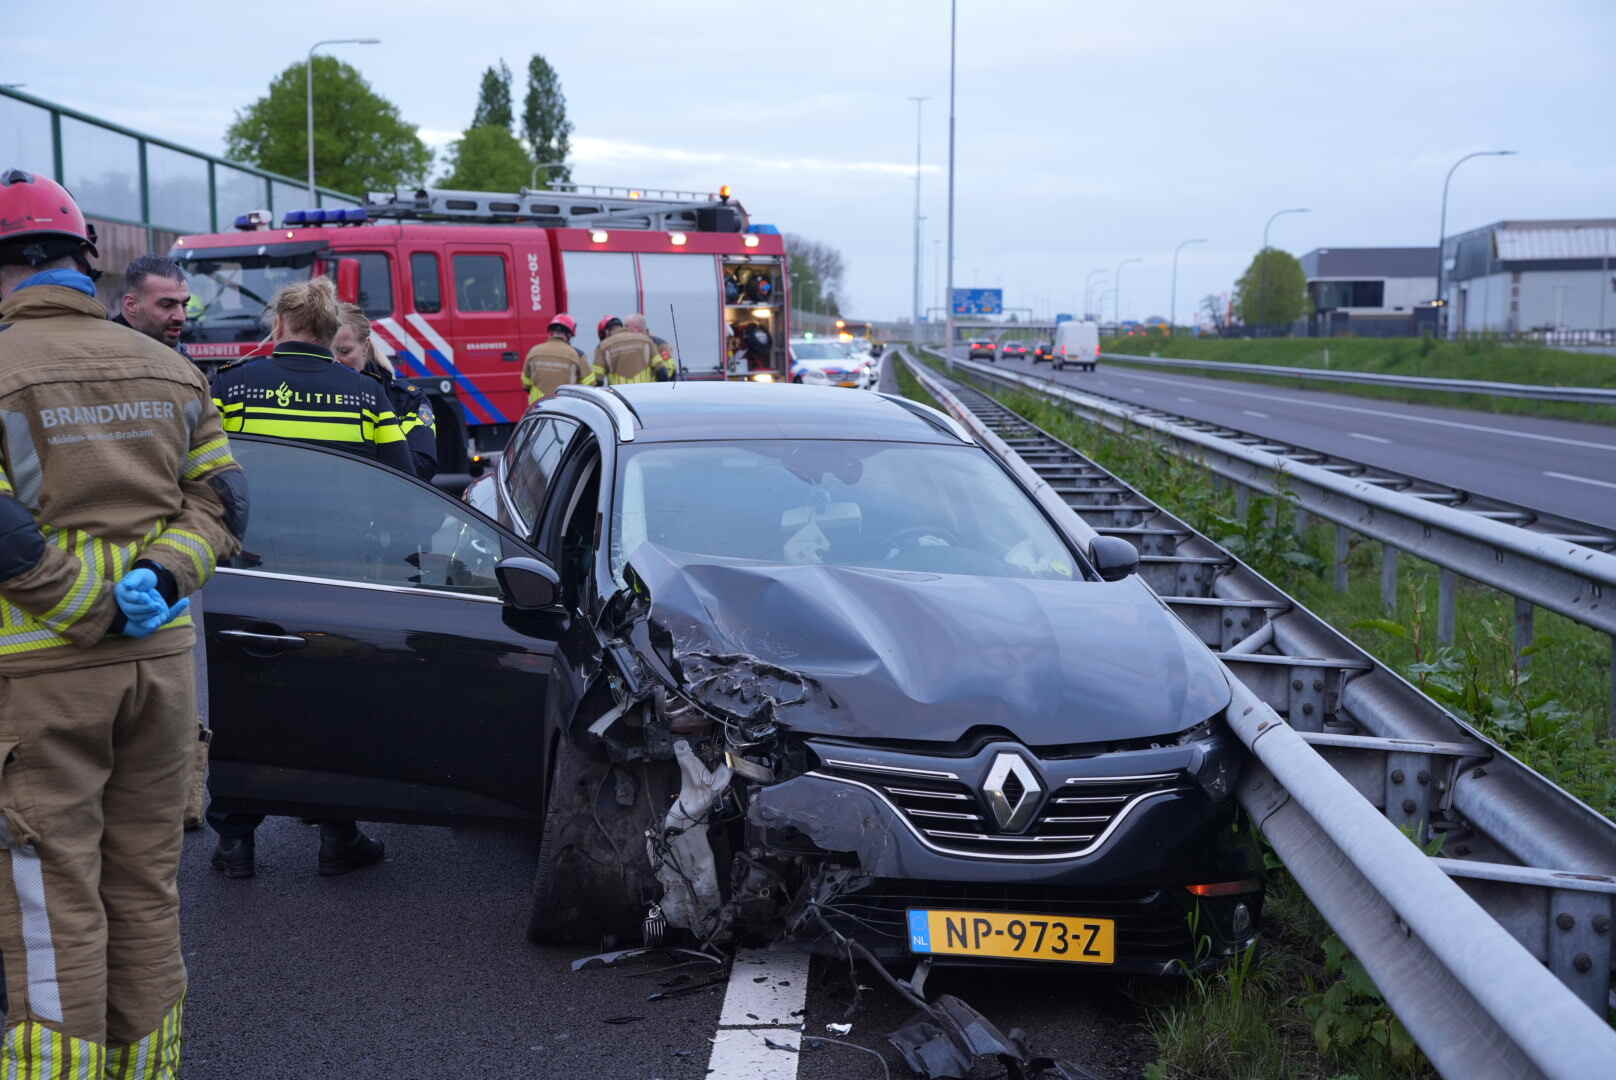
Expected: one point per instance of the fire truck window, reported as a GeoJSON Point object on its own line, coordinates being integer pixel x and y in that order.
{"type": "Point", "coordinates": [601, 283]}
{"type": "Point", "coordinates": [480, 283]}
{"type": "Point", "coordinates": [682, 306]}
{"type": "Point", "coordinates": [375, 283]}
{"type": "Point", "coordinates": [425, 283]}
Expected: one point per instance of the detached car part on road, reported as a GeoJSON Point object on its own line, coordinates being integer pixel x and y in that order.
{"type": "Point", "coordinates": [760, 665]}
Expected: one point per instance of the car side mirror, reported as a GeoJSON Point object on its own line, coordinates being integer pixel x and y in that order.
{"type": "Point", "coordinates": [528, 584]}
{"type": "Point", "coordinates": [1113, 557]}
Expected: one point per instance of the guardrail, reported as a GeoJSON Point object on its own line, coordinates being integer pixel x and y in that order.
{"type": "Point", "coordinates": [1587, 394]}
{"type": "Point", "coordinates": [1497, 957]}
{"type": "Point", "coordinates": [1541, 569]}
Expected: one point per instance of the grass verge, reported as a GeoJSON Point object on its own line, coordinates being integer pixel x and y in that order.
{"type": "Point", "coordinates": [1470, 359]}
{"type": "Point", "coordinates": [1301, 1006]}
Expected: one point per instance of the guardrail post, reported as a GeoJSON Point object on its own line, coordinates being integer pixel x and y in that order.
{"type": "Point", "coordinates": [1242, 501]}
{"type": "Point", "coordinates": [1388, 578]}
{"type": "Point", "coordinates": [1523, 633]}
{"type": "Point", "coordinates": [1341, 558]}
{"type": "Point", "coordinates": [1302, 522]}
{"type": "Point", "coordinates": [1446, 606]}
{"type": "Point", "coordinates": [1610, 727]}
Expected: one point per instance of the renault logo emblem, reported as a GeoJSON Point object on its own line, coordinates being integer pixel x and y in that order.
{"type": "Point", "coordinates": [1012, 792]}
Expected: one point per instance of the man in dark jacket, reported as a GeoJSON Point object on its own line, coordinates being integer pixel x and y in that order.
{"type": "Point", "coordinates": [154, 300]}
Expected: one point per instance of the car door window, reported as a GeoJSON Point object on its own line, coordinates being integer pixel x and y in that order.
{"type": "Point", "coordinates": [480, 283]}
{"type": "Point", "coordinates": [323, 515]}
{"type": "Point", "coordinates": [528, 477]}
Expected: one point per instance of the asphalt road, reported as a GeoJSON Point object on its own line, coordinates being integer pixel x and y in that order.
{"type": "Point", "coordinates": [1555, 466]}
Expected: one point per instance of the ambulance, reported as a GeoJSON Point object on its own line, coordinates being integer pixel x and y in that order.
{"type": "Point", "coordinates": [460, 284]}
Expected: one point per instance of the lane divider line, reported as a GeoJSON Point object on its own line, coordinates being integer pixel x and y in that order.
{"type": "Point", "coordinates": [1254, 412]}
{"type": "Point", "coordinates": [1370, 438]}
{"type": "Point", "coordinates": [1579, 479]}
{"type": "Point", "coordinates": [764, 1003]}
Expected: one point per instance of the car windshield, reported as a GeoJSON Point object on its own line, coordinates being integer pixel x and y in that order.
{"type": "Point", "coordinates": [891, 506]}
{"type": "Point", "coordinates": [228, 295]}
{"type": "Point", "coordinates": [816, 350]}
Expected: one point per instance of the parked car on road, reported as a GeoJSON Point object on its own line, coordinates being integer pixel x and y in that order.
{"type": "Point", "coordinates": [893, 689]}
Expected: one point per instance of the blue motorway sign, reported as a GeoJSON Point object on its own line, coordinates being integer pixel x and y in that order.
{"type": "Point", "coordinates": [1063, 318]}
{"type": "Point", "coordinates": [978, 301]}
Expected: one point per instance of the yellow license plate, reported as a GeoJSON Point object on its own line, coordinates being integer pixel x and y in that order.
{"type": "Point", "coordinates": [1002, 935]}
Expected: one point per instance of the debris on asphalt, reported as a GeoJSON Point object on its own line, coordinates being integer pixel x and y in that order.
{"type": "Point", "coordinates": [621, 1019]}
{"type": "Point", "coordinates": [839, 1029]}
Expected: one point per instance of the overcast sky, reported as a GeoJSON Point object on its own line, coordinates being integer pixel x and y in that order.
{"type": "Point", "coordinates": [1087, 132]}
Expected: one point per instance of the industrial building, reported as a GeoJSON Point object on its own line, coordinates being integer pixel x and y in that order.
{"type": "Point", "coordinates": [1549, 279]}
{"type": "Point", "coordinates": [1371, 291]}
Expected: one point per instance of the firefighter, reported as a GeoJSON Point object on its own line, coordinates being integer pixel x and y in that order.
{"type": "Point", "coordinates": [629, 355]}
{"type": "Point", "coordinates": [118, 496]}
{"type": "Point", "coordinates": [355, 348]}
{"type": "Point", "coordinates": [300, 392]}
{"type": "Point", "coordinates": [556, 362]}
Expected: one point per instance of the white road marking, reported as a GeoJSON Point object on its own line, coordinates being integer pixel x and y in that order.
{"type": "Point", "coordinates": [1580, 479]}
{"type": "Point", "coordinates": [764, 1002]}
{"type": "Point", "coordinates": [1188, 399]}
{"type": "Point", "coordinates": [1371, 438]}
{"type": "Point", "coordinates": [1384, 414]}
{"type": "Point", "coordinates": [1254, 412]}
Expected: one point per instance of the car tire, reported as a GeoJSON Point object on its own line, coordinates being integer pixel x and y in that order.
{"type": "Point", "coordinates": [593, 881]}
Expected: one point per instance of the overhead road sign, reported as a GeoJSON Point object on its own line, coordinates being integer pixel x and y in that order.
{"type": "Point", "coordinates": [978, 301]}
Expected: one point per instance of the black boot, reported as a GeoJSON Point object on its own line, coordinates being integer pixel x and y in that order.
{"type": "Point", "coordinates": [343, 848]}
{"type": "Point", "coordinates": [234, 856]}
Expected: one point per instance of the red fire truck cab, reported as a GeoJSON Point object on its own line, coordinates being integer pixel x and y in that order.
{"type": "Point", "coordinates": [460, 284]}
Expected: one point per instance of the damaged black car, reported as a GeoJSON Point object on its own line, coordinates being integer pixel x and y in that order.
{"type": "Point", "coordinates": [768, 663]}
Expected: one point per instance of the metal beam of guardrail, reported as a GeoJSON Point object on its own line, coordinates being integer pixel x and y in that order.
{"type": "Point", "coordinates": [1465, 974]}
{"type": "Point", "coordinates": [1587, 394]}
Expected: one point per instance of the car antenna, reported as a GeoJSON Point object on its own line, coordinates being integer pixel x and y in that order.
{"type": "Point", "coordinates": [678, 354]}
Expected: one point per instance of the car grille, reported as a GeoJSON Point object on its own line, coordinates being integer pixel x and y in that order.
{"type": "Point", "coordinates": [953, 817]}
{"type": "Point", "coordinates": [1151, 925]}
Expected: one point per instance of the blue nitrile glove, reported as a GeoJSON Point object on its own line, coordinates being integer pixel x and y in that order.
{"type": "Point", "coordinates": [143, 605]}
{"type": "Point", "coordinates": [138, 597]}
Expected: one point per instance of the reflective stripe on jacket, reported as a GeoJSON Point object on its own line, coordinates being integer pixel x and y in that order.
{"type": "Point", "coordinates": [628, 357]}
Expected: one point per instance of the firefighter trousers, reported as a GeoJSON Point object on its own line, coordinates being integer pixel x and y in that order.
{"type": "Point", "coordinates": [94, 764]}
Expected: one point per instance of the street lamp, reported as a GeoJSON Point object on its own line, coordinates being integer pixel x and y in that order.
{"type": "Point", "coordinates": [1442, 238]}
{"type": "Point", "coordinates": [308, 80]}
{"type": "Point", "coordinates": [533, 177]}
{"type": "Point", "coordinates": [915, 314]}
{"type": "Point", "coordinates": [953, 28]}
{"type": "Point", "coordinates": [1172, 304]}
{"type": "Point", "coordinates": [1263, 275]}
{"type": "Point", "coordinates": [1117, 288]}
{"type": "Point", "coordinates": [1088, 303]}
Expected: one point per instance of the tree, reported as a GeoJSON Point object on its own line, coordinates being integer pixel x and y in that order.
{"type": "Point", "coordinates": [544, 119]}
{"type": "Point", "coordinates": [1273, 290]}
{"type": "Point", "coordinates": [494, 99]}
{"type": "Point", "coordinates": [360, 142]}
{"type": "Point", "coordinates": [487, 158]}
{"type": "Point", "coordinates": [816, 274]}
{"type": "Point", "coordinates": [1213, 306]}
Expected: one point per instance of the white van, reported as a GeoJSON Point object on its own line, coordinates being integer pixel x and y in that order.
{"type": "Point", "coordinates": [1077, 344]}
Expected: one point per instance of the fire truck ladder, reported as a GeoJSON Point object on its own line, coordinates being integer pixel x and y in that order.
{"type": "Point", "coordinates": [566, 206]}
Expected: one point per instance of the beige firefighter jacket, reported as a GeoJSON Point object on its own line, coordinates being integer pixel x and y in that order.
{"type": "Point", "coordinates": [550, 365]}
{"type": "Point", "coordinates": [628, 357]}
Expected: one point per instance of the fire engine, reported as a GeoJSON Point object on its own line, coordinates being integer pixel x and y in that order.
{"type": "Point", "coordinates": [460, 284]}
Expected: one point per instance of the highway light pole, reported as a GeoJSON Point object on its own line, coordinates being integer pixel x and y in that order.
{"type": "Point", "coordinates": [1172, 304]}
{"type": "Point", "coordinates": [919, 101]}
{"type": "Point", "coordinates": [1263, 274]}
{"type": "Point", "coordinates": [1442, 239]}
{"type": "Point", "coordinates": [948, 302]}
{"type": "Point", "coordinates": [308, 84]}
{"type": "Point", "coordinates": [1088, 286]}
{"type": "Point", "coordinates": [1117, 288]}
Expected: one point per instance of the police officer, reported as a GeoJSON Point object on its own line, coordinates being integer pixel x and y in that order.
{"type": "Point", "coordinates": [300, 392]}
{"type": "Point", "coordinates": [628, 355]}
{"type": "Point", "coordinates": [118, 495]}
{"type": "Point", "coordinates": [354, 348]}
{"type": "Point", "coordinates": [556, 362]}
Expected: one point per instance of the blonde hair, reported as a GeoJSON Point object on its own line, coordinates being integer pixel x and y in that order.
{"type": "Point", "coordinates": [352, 317]}
{"type": "Point", "coordinates": [310, 308]}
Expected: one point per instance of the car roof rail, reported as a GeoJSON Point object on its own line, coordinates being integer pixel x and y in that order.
{"type": "Point", "coordinates": [614, 405]}
{"type": "Point", "coordinates": [935, 417]}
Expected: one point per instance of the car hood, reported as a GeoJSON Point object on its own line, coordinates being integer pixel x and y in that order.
{"type": "Point", "coordinates": [877, 654]}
